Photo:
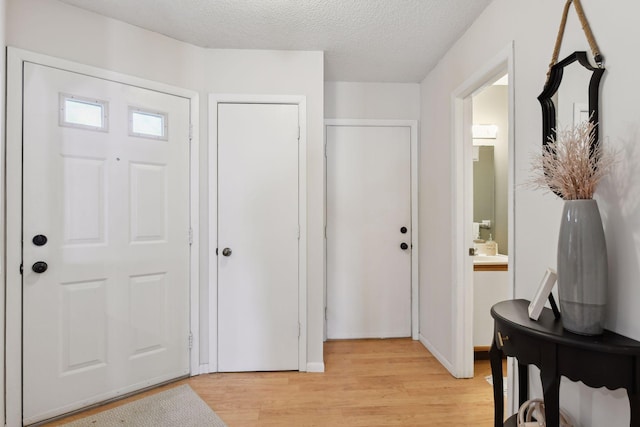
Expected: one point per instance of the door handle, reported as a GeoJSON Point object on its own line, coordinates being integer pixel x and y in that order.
{"type": "Point", "coordinates": [404, 246]}
{"type": "Point", "coordinates": [226, 252]}
{"type": "Point", "coordinates": [39, 267]}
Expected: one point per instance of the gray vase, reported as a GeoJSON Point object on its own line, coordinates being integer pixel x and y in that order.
{"type": "Point", "coordinates": [582, 268]}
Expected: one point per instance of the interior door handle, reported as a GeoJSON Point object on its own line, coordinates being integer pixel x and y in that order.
{"type": "Point", "coordinates": [39, 267]}
{"type": "Point", "coordinates": [226, 252]}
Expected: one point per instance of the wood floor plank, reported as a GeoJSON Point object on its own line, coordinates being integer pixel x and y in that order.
{"type": "Point", "coordinates": [394, 382]}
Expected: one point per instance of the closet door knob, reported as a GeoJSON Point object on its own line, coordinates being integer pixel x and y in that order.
{"type": "Point", "coordinates": [39, 267]}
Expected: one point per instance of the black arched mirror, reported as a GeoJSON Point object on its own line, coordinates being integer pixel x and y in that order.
{"type": "Point", "coordinates": [573, 101]}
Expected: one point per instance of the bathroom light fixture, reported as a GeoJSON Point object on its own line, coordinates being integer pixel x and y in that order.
{"type": "Point", "coordinates": [484, 131]}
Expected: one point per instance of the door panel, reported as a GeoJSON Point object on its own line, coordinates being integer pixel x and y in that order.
{"type": "Point", "coordinates": [110, 315]}
{"type": "Point", "coordinates": [258, 222]}
{"type": "Point", "coordinates": [83, 343]}
{"type": "Point", "coordinates": [148, 191]}
{"type": "Point", "coordinates": [368, 202]}
{"type": "Point", "coordinates": [84, 200]}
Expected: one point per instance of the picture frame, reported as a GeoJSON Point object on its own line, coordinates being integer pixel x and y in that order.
{"type": "Point", "coordinates": [543, 293]}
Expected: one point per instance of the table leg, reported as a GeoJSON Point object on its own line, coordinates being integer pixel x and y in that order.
{"type": "Point", "coordinates": [523, 383]}
{"type": "Point", "coordinates": [495, 356]}
{"type": "Point", "coordinates": [550, 386]}
{"type": "Point", "coordinates": [634, 395]}
{"type": "Point", "coordinates": [634, 404]}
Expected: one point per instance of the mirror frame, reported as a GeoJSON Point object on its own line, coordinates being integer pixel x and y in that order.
{"type": "Point", "coordinates": [552, 86]}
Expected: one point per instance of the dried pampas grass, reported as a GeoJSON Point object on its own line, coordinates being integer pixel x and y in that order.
{"type": "Point", "coordinates": [571, 165]}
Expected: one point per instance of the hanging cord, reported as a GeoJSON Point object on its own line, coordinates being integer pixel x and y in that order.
{"type": "Point", "coordinates": [556, 49]}
{"type": "Point", "coordinates": [597, 57]}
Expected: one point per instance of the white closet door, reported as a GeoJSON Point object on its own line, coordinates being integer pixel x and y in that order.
{"type": "Point", "coordinates": [258, 230]}
{"type": "Point", "coordinates": [368, 221]}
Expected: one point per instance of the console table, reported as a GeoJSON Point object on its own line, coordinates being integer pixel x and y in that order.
{"type": "Point", "coordinates": [608, 360]}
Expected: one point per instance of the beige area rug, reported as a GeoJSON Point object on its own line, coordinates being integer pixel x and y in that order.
{"type": "Point", "coordinates": [179, 406]}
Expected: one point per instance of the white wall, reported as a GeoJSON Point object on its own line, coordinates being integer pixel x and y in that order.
{"type": "Point", "coordinates": [3, 10]}
{"type": "Point", "coordinates": [384, 101]}
{"type": "Point", "coordinates": [532, 26]}
{"type": "Point", "coordinates": [57, 29]}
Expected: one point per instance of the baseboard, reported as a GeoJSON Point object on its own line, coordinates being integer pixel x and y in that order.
{"type": "Point", "coordinates": [371, 336]}
{"type": "Point", "coordinates": [443, 360]}
{"type": "Point", "coordinates": [480, 355]}
{"type": "Point", "coordinates": [204, 369]}
{"type": "Point", "coordinates": [315, 367]}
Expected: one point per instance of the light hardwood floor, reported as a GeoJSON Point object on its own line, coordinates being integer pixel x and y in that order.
{"type": "Point", "coordinates": [394, 382]}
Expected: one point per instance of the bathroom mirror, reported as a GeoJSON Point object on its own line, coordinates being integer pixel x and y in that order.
{"type": "Point", "coordinates": [484, 189]}
{"type": "Point", "coordinates": [570, 96]}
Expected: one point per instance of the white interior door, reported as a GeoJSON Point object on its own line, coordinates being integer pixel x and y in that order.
{"type": "Point", "coordinates": [106, 181]}
{"type": "Point", "coordinates": [368, 219]}
{"type": "Point", "coordinates": [258, 232]}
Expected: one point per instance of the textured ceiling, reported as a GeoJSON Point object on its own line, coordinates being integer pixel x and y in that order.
{"type": "Point", "coordinates": [363, 40]}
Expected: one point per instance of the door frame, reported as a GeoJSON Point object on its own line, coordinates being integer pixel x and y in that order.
{"type": "Point", "coordinates": [301, 102]}
{"type": "Point", "coordinates": [415, 264]}
{"type": "Point", "coordinates": [462, 203]}
{"type": "Point", "coordinates": [13, 192]}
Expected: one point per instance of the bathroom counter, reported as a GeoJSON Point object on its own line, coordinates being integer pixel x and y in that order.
{"type": "Point", "coordinates": [490, 262]}
{"type": "Point", "coordinates": [491, 259]}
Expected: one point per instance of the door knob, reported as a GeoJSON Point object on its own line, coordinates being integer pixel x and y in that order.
{"type": "Point", "coordinates": [404, 246]}
{"type": "Point", "coordinates": [39, 240]}
{"type": "Point", "coordinates": [39, 267]}
{"type": "Point", "coordinates": [226, 252]}
{"type": "Point", "coordinates": [403, 230]}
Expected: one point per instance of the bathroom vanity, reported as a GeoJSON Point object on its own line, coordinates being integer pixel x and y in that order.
{"type": "Point", "coordinates": [490, 285]}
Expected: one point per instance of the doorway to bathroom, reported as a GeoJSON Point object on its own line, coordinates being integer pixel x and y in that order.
{"type": "Point", "coordinates": [485, 233]}
{"type": "Point", "coordinates": [490, 158]}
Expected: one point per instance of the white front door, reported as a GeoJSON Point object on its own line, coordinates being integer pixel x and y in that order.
{"type": "Point", "coordinates": [105, 240]}
{"type": "Point", "coordinates": [368, 231]}
{"type": "Point", "coordinates": [258, 232]}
